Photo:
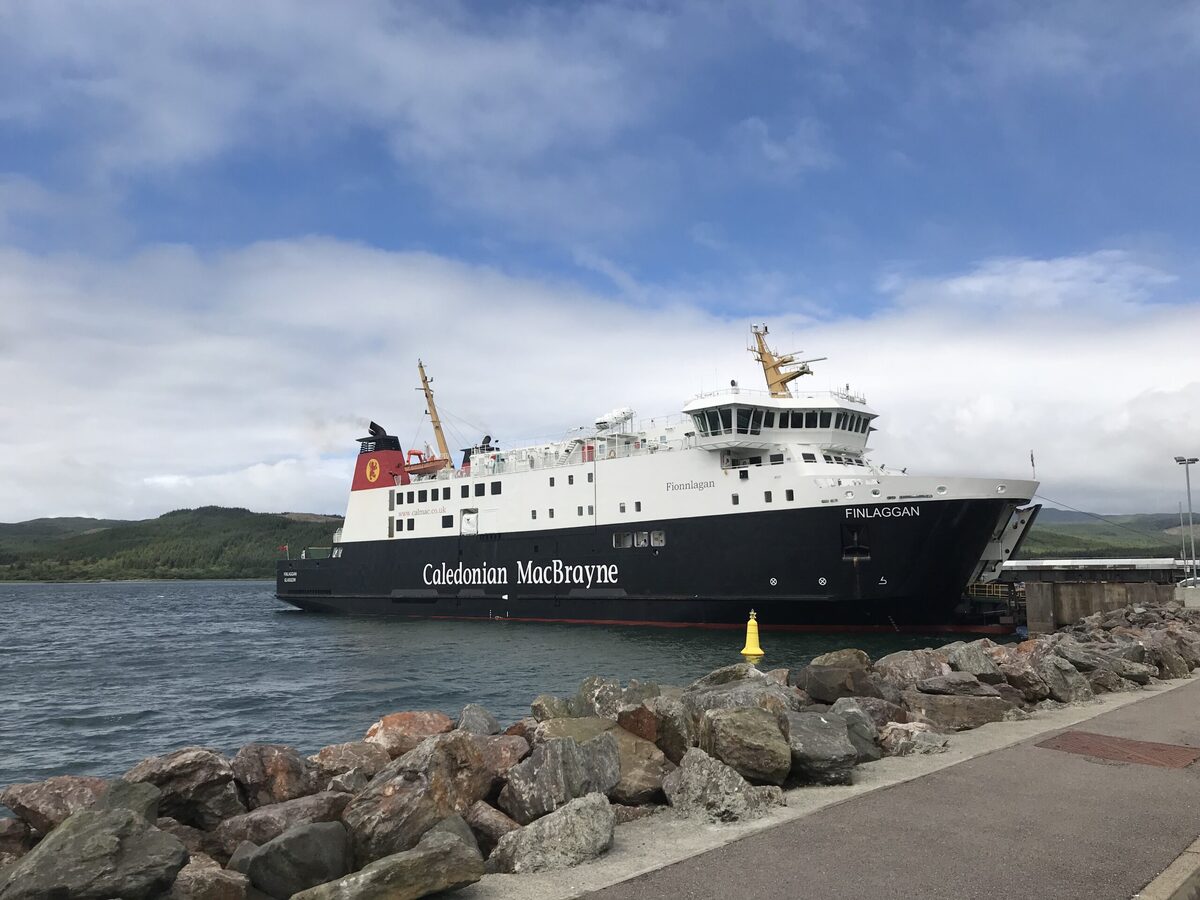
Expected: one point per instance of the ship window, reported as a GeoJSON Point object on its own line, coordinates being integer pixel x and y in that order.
{"type": "Point", "coordinates": [827, 457]}
{"type": "Point", "coordinates": [622, 507]}
{"type": "Point", "coordinates": [391, 527]}
{"type": "Point", "coordinates": [755, 460]}
{"type": "Point", "coordinates": [410, 496]}
{"type": "Point", "coordinates": [552, 514]}
{"type": "Point", "coordinates": [767, 496]}
{"type": "Point", "coordinates": [637, 505]}
{"type": "Point", "coordinates": [797, 419]}
{"type": "Point", "coordinates": [641, 539]}
{"type": "Point", "coordinates": [826, 418]}
{"type": "Point", "coordinates": [551, 481]}
{"type": "Point", "coordinates": [810, 419]}
{"type": "Point", "coordinates": [496, 487]}
{"type": "Point", "coordinates": [591, 510]}
{"type": "Point", "coordinates": [480, 487]}
{"type": "Point", "coordinates": [866, 425]}
{"type": "Point", "coordinates": [784, 418]}
{"type": "Point", "coordinates": [391, 501]}
{"type": "Point", "coordinates": [776, 459]}
{"type": "Point", "coordinates": [412, 523]}
{"type": "Point", "coordinates": [756, 422]}
{"type": "Point", "coordinates": [466, 491]}
{"type": "Point", "coordinates": [743, 420]}
{"type": "Point", "coordinates": [727, 419]}
{"type": "Point", "coordinates": [422, 496]}
{"type": "Point", "coordinates": [622, 540]}
{"type": "Point", "coordinates": [658, 539]}
{"type": "Point", "coordinates": [533, 514]}
{"type": "Point", "coordinates": [701, 423]}
{"type": "Point", "coordinates": [581, 510]}
{"type": "Point", "coordinates": [769, 419]}
{"type": "Point", "coordinates": [590, 474]}
{"type": "Point", "coordinates": [809, 457]}
{"type": "Point", "coordinates": [735, 499]}
{"type": "Point", "coordinates": [790, 495]}
{"type": "Point", "coordinates": [840, 420]}
{"type": "Point", "coordinates": [714, 421]}
{"type": "Point", "coordinates": [744, 474]}
{"type": "Point", "coordinates": [447, 521]}
{"type": "Point", "coordinates": [570, 479]}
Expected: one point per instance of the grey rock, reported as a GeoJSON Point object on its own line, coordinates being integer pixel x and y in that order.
{"type": "Point", "coordinates": [958, 683]}
{"type": "Point", "coordinates": [300, 858]}
{"type": "Point", "coordinates": [547, 706]}
{"type": "Point", "coordinates": [559, 770]}
{"type": "Point", "coordinates": [457, 826]}
{"type": "Point", "coordinates": [746, 693]}
{"type": "Point", "coordinates": [820, 748]}
{"type": "Point", "coordinates": [664, 722]}
{"type": "Point", "coordinates": [197, 786]}
{"type": "Point", "coordinates": [906, 738]}
{"type": "Point", "coordinates": [240, 860]}
{"type": "Point", "coordinates": [642, 766]}
{"type": "Point", "coordinates": [349, 782]}
{"type": "Point", "coordinates": [500, 752]}
{"type": "Point", "coordinates": [748, 740]}
{"type": "Point", "coordinates": [860, 728]}
{"type": "Point", "coordinates": [272, 773]}
{"type": "Point", "coordinates": [623, 814]}
{"type": "Point", "coordinates": [579, 831]}
{"type": "Point", "coordinates": [881, 711]}
{"type": "Point", "coordinates": [445, 774]}
{"type": "Point", "coordinates": [268, 822]}
{"type": "Point", "coordinates": [197, 842]}
{"type": "Point", "coordinates": [1132, 671]}
{"type": "Point", "coordinates": [139, 797]}
{"type": "Point", "coordinates": [910, 666]}
{"type": "Point", "coordinates": [477, 720]}
{"type": "Point", "coordinates": [638, 692]}
{"type": "Point", "coordinates": [94, 855]}
{"type": "Point", "coordinates": [337, 759]}
{"type": "Point", "coordinates": [1065, 683]}
{"type": "Point", "coordinates": [47, 804]}
{"type": "Point", "coordinates": [1084, 659]}
{"type": "Point", "coordinates": [1020, 674]}
{"type": "Point", "coordinates": [204, 879]}
{"type": "Point", "coordinates": [827, 683]}
{"type": "Point", "coordinates": [1106, 681]}
{"type": "Point", "coordinates": [846, 659]}
{"type": "Point", "coordinates": [973, 659]}
{"type": "Point", "coordinates": [598, 696]}
{"type": "Point", "coordinates": [1170, 664]}
{"type": "Point", "coordinates": [949, 712]}
{"type": "Point", "coordinates": [1010, 694]}
{"type": "Point", "coordinates": [440, 862]}
{"type": "Point", "coordinates": [725, 675]}
{"type": "Point", "coordinates": [522, 727]}
{"type": "Point", "coordinates": [15, 838]}
{"type": "Point", "coordinates": [706, 787]}
{"type": "Point", "coordinates": [488, 825]}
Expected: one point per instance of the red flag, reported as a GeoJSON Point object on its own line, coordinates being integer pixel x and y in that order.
{"type": "Point", "coordinates": [282, 547]}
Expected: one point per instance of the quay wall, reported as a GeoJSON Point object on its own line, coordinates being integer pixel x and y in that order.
{"type": "Point", "coordinates": [1052, 605]}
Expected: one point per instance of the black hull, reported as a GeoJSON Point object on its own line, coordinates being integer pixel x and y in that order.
{"type": "Point", "coordinates": [799, 568]}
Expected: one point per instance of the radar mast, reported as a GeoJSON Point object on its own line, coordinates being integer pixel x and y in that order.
{"type": "Point", "coordinates": [773, 366]}
{"type": "Point", "coordinates": [443, 449]}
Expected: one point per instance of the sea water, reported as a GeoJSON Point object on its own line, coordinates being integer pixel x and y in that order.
{"type": "Point", "coordinates": [95, 677]}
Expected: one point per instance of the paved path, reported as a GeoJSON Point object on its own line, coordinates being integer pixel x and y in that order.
{"type": "Point", "coordinates": [1019, 822]}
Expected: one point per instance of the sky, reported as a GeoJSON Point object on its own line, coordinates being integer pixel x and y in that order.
{"type": "Point", "coordinates": [228, 231]}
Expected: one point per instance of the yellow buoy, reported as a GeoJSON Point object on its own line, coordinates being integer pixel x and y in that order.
{"type": "Point", "coordinates": [752, 652]}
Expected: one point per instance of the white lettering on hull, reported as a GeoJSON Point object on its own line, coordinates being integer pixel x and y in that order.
{"type": "Point", "coordinates": [528, 572]}
{"type": "Point", "coordinates": [882, 512]}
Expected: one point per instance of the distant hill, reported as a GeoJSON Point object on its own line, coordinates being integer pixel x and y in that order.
{"type": "Point", "coordinates": [1062, 533]}
{"type": "Point", "coordinates": [210, 542]}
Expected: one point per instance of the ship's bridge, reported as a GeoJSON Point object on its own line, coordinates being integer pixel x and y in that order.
{"type": "Point", "coordinates": [735, 417]}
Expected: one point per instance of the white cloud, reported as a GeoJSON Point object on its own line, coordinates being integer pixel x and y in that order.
{"type": "Point", "coordinates": [171, 378]}
{"type": "Point", "coordinates": [804, 148]}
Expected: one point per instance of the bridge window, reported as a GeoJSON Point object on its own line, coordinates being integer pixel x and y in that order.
{"type": "Point", "coordinates": [826, 418]}
{"type": "Point", "coordinates": [769, 418]}
{"type": "Point", "coordinates": [784, 418]}
{"type": "Point", "coordinates": [743, 420]}
{"type": "Point", "coordinates": [810, 418]}
{"type": "Point", "coordinates": [726, 419]}
{"type": "Point", "coordinates": [797, 419]}
{"type": "Point", "coordinates": [866, 425]}
{"type": "Point", "coordinates": [701, 423]}
{"type": "Point", "coordinates": [756, 422]}
{"type": "Point", "coordinates": [840, 421]}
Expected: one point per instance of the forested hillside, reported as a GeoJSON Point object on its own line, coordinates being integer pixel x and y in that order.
{"type": "Point", "coordinates": [1064, 534]}
{"type": "Point", "coordinates": [210, 542]}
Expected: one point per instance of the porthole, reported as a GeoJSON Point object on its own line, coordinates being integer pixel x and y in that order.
{"type": "Point", "coordinates": [874, 492]}
{"type": "Point", "coordinates": [1001, 488]}
{"type": "Point", "coordinates": [941, 489]}
{"type": "Point", "coordinates": [849, 495]}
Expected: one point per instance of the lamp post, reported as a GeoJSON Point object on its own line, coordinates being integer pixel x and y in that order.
{"type": "Point", "coordinates": [1186, 462]}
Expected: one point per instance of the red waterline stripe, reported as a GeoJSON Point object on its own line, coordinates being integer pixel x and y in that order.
{"type": "Point", "coordinates": [829, 629]}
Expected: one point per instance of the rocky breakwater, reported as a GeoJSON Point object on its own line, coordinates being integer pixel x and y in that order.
{"type": "Point", "coordinates": [426, 803]}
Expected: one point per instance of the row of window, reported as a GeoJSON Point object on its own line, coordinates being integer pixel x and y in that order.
{"type": "Point", "coordinates": [789, 494]}
{"type": "Point", "coordinates": [752, 421]}
{"type": "Point", "coordinates": [427, 495]}
{"type": "Point", "coordinates": [591, 510]}
{"type": "Point", "coordinates": [623, 540]}
{"type": "Point", "coordinates": [571, 479]}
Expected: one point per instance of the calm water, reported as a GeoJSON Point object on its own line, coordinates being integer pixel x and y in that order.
{"type": "Point", "coordinates": [94, 677]}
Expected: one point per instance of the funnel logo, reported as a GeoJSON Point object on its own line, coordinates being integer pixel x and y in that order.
{"type": "Point", "coordinates": [372, 470]}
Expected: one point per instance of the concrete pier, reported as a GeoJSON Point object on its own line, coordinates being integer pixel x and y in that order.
{"type": "Point", "coordinates": [1051, 605]}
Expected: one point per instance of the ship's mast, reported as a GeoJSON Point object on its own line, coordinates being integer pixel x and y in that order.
{"type": "Point", "coordinates": [433, 415]}
{"type": "Point", "coordinates": [773, 366]}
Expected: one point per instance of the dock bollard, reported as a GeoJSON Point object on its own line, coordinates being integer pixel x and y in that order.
{"type": "Point", "coordinates": [752, 652]}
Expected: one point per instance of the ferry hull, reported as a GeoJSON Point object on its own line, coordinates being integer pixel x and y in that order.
{"type": "Point", "coordinates": [829, 567]}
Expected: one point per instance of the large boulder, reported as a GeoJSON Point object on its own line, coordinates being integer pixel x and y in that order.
{"type": "Point", "coordinates": [96, 854]}
{"type": "Point", "coordinates": [559, 770]}
{"type": "Point", "coordinates": [959, 683]}
{"type": "Point", "coordinates": [905, 738]}
{"type": "Point", "coordinates": [860, 728]}
{"type": "Point", "coordinates": [881, 711]}
{"type": "Point", "coordinates": [1106, 681]}
{"type": "Point", "coordinates": [548, 706]}
{"type": "Point", "coordinates": [664, 722]}
{"type": "Point", "coordinates": [489, 825]}
{"type": "Point", "coordinates": [446, 774]}
{"type": "Point", "coordinates": [204, 879]}
{"type": "Point", "coordinates": [268, 822]}
{"type": "Point", "coordinates": [46, 804]}
{"type": "Point", "coordinates": [1020, 674]}
{"type": "Point", "coordinates": [400, 732]}
{"type": "Point", "coordinates": [707, 787]}
{"type": "Point", "coordinates": [477, 720]}
{"type": "Point", "coordinates": [500, 752]}
{"type": "Point", "coordinates": [748, 740]}
{"type": "Point", "coordinates": [598, 696]}
{"type": "Point", "coordinates": [139, 797]}
{"type": "Point", "coordinates": [1139, 673]}
{"type": "Point", "coordinates": [950, 712]}
{"type": "Point", "coordinates": [827, 683]}
{"type": "Point", "coordinates": [642, 765]}
{"type": "Point", "coordinates": [845, 659]}
{"type": "Point", "coordinates": [910, 666]}
{"type": "Point", "coordinates": [973, 658]}
{"type": "Point", "coordinates": [197, 842]}
{"type": "Point", "coordinates": [741, 693]}
{"type": "Point", "coordinates": [820, 750]}
{"type": "Point", "coordinates": [301, 858]}
{"type": "Point", "coordinates": [15, 840]}
{"type": "Point", "coordinates": [337, 759]}
{"type": "Point", "coordinates": [1162, 654]}
{"type": "Point", "coordinates": [579, 831]}
{"type": "Point", "coordinates": [272, 773]}
{"type": "Point", "coordinates": [1065, 683]}
{"type": "Point", "coordinates": [197, 786]}
{"type": "Point", "coordinates": [439, 862]}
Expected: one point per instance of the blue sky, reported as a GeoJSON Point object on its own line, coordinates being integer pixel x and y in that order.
{"type": "Point", "coordinates": [872, 178]}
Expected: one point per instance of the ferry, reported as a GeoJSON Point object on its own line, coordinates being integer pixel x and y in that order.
{"type": "Point", "coordinates": [764, 499]}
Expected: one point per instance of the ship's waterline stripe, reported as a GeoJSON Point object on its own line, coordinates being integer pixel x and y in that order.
{"type": "Point", "coordinates": [528, 572]}
{"type": "Point", "coordinates": [882, 512]}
